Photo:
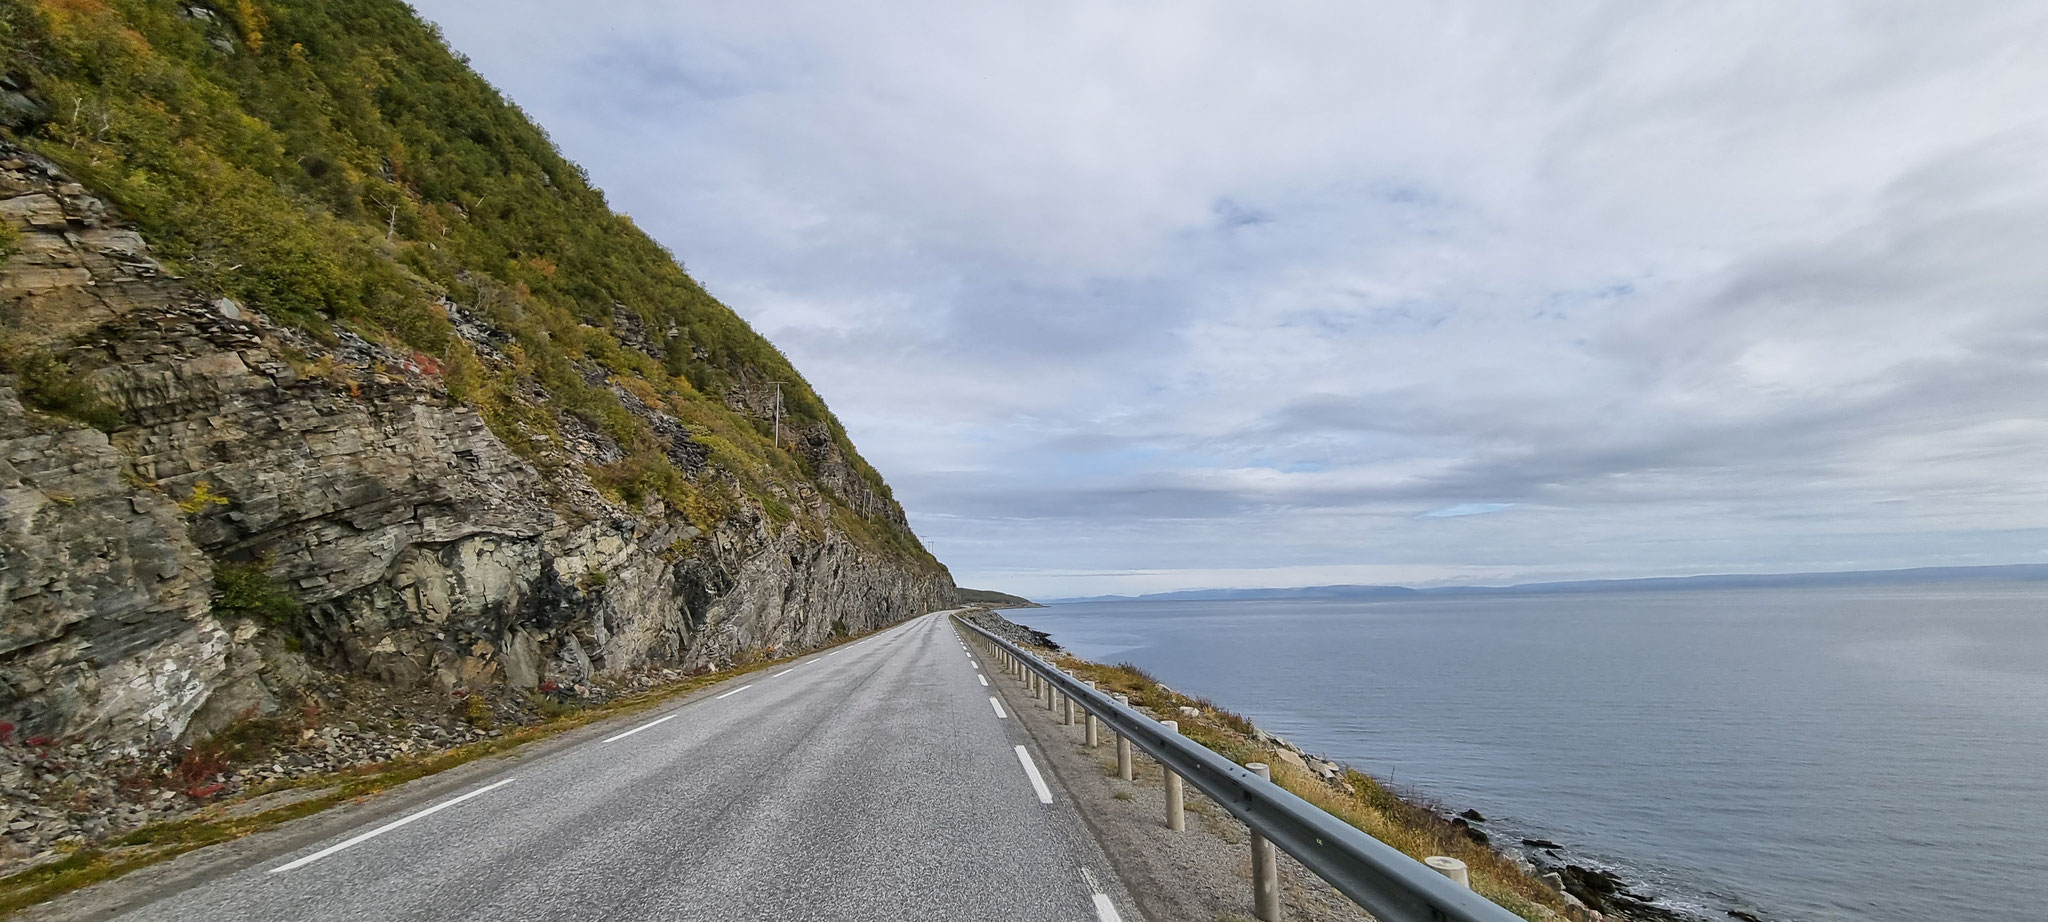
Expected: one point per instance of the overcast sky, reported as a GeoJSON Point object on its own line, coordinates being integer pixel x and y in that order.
{"type": "Point", "coordinates": [1127, 297]}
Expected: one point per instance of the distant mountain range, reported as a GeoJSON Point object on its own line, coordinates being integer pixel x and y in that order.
{"type": "Point", "coordinates": [2026, 572]}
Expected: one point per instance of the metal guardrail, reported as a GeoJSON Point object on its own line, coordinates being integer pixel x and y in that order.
{"type": "Point", "coordinates": [1387, 883]}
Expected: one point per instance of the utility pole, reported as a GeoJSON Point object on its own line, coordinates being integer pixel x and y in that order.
{"type": "Point", "coordinates": [778, 413]}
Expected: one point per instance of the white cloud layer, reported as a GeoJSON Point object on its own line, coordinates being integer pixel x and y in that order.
{"type": "Point", "coordinates": [1154, 295]}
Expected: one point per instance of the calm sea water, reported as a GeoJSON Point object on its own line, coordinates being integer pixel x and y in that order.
{"type": "Point", "coordinates": [1818, 754]}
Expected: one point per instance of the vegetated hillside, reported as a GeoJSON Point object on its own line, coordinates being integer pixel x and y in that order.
{"type": "Point", "coordinates": [317, 354]}
{"type": "Point", "coordinates": [994, 599]}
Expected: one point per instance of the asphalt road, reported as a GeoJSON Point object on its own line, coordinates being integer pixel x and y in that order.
{"type": "Point", "coordinates": [873, 782]}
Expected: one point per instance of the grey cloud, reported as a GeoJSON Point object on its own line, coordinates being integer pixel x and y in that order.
{"type": "Point", "coordinates": [1710, 287]}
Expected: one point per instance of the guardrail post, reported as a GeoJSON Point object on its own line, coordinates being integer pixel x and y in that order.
{"type": "Point", "coordinates": [1451, 868]}
{"type": "Point", "coordinates": [1066, 710]}
{"type": "Point", "coordinates": [1093, 729]}
{"type": "Point", "coordinates": [1265, 864]}
{"type": "Point", "coordinates": [1123, 748]}
{"type": "Point", "coordinates": [1176, 816]}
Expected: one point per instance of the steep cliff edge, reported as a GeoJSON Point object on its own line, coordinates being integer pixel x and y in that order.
{"type": "Point", "coordinates": [495, 456]}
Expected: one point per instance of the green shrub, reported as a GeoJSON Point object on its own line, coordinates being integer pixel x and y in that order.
{"type": "Point", "coordinates": [246, 590]}
{"type": "Point", "coordinates": [49, 384]}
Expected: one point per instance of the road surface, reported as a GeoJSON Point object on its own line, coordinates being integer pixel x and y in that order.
{"type": "Point", "coordinates": [878, 781]}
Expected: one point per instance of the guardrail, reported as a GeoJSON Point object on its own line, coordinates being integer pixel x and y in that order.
{"type": "Point", "coordinates": [1387, 883]}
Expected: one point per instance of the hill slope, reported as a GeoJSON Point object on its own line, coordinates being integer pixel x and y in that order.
{"type": "Point", "coordinates": [993, 599]}
{"type": "Point", "coordinates": [316, 355]}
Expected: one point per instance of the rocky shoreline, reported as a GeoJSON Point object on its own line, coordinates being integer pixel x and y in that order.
{"type": "Point", "coordinates": [1589, 890]}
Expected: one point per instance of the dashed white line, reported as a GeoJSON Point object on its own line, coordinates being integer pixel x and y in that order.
{"type": "Point", "coordinates": [1037, 780]}
{"type": "Point", "coordinates": [1105, 911]}
{"type": "Point", "coordinates": [783, 673]}
{"type": "Point", "coordinates": [658, 720]}
{"type": "Point", "coordinates": [983, 678]}
{"type": "Point", "coordinates": [998, 705]}
{"type": "Point", "coordinates": [737, 690]}
{"type": "Point", "coordinates": [387, 827]}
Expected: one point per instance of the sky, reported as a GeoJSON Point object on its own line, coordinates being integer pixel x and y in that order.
{"type": "Point", "coordinates": [1137, 296]}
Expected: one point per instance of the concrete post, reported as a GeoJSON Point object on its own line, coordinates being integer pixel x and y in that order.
{"type": "Point", "coordinates": [1451, 868]}
{"type": "Point", "coordinates": [1265, 864]}
{"type": "Point", "coordinates": [1176, 816]}
{"type": "Point", "coordinates": [1066, 710]}
{"type": "Point", "coordinates": [1123, 748]}
{"type": "Point", "coordinates": [1094, 730]}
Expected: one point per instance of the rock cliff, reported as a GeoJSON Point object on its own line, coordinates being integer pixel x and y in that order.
{"type": "Point", "coordinates": [199, 506]}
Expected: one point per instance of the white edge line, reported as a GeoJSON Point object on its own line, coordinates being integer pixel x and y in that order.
{"type": "Point", "coordinates": [983, 678]}
{"type": "Point", "coordinates": [783, 673]}
{"type": "Point", "coordinates": [657, 720]}
{"type": "Point", "coordinates": [1037, 780]}
{"type": "Point", "coordinates": [1106, 910]}
{"type": "Point", "coordinates": [998, 705]}
{"type": "Point", "coordinates": [387, 827]}
{"type": "Point", "coordinates": [737, 690]}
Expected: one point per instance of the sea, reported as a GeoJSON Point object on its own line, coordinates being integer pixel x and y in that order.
{"type": "Point", "coordinates": [1811, 754]}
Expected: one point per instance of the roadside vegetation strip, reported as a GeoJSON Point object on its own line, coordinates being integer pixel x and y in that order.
{"type": "Point", "coordinates": [1355, 798]}
{"type": "Point", "coordinates": [159, 842]}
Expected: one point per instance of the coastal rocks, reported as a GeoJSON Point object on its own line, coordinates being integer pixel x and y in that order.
{"type": "Point", "coordinates": [1604, 892]}
{"type": "Point", "coordinates": [1008, 630]}
{"type": "Point", "coordinates": [1469, 831]}
{"type": "Point", "coordinates": [1473, 815]}
{"type": "Point", "coordinates": [392, 531]}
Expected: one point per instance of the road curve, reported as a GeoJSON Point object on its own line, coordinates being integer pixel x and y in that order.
{"type": "Point", "coordinates": [878, 781]}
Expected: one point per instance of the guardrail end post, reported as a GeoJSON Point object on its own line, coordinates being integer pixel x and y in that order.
{"type": "Point", "coordinates": [1451, 868]}
{"type": "Point", "coordinates": [1123, 748]}
{"type": "Point", "coordinates": [1265, 864]}
{"type": "Point", "coordinates": [1176, 814]}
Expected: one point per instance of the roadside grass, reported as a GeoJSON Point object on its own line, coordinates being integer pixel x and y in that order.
{"type": "Point", "coordinates": [158, 842]}
{"type": "Point", "coordinates": [1363, 802]}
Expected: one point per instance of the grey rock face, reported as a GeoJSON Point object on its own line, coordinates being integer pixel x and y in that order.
{"type": "Point", "coordinates": [421, 549]}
